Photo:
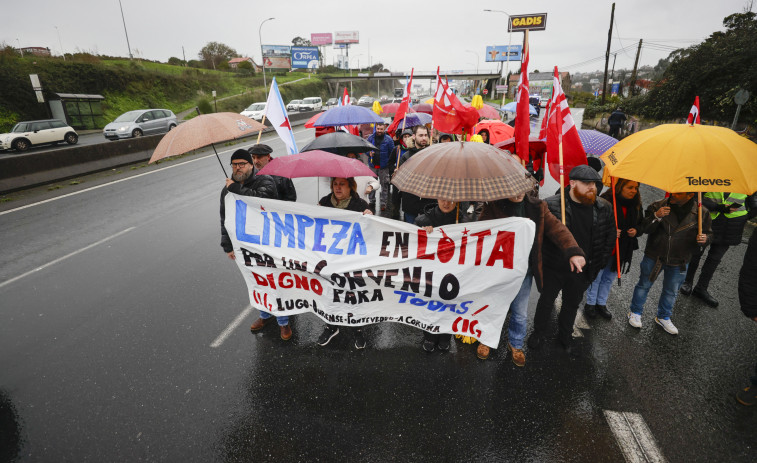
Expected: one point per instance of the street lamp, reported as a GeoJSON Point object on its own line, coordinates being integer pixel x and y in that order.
{"type": "Point", "coordinates": [262, 58]}
{"type": "Point", "coordinates": [60, 43]}
{"type": "Point", "coordinates": [509, 43]}
{"type": "Point", "coordinates": [125, 33]}
{"type": "Point", "coordinates": [471, 51]}
{"type": "Point", "coordinates": [19, 47]}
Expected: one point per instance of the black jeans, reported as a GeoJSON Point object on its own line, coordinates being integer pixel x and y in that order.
{"type": "Point", "coordinates": [573, 286]}
{"type": "Point", "coordinates": [714, 256]}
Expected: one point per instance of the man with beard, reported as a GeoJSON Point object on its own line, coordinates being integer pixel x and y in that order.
{"type": "Point", "coordinates": [381, 161]}
{"type": "Point", "coordinates": [671, 226]}
{"type": "Point", "coordinates": [261, 156]}
{"type": "Point", "coordinates": [413, 205]}
{"type": "Point", "coordinates": [591, 222]}
{"type": "Point", "coordinates": [243, 182]}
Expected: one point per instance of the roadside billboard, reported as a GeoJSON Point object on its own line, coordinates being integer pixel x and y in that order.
{"type": "Point", "coordinates": [277, 56]}
{"type": "Point", "coordinates": [531, 22]}
{"type": "Point", "coordinates": [304, 57]}
{"type": "Point", "coordinates": [501, 53]}
{"type": "Point", "coordinates": [324, 38]}
{"type": "Point", "coordinates": [346, 37]}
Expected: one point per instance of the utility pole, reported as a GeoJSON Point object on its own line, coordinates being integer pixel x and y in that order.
{"type": "Point", "coordinates": [184, 55]}
{"type": "Point", "coordinates": [632, 91]}
{"type": "Point", "coordinates": [607, 54]}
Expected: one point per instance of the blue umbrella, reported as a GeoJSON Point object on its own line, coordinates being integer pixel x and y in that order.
{"type": "Point", "coordinates": [347, 115]}
{"type": "Point", "coordinates": [413, 119]}
{"type": "Point", "coordinates": [594, 142]}
{"type": "Point", "coordinates": [513, 107]}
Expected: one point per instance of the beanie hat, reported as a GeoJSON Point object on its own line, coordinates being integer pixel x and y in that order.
{"type": "Point", "coordinates": [241, 154]}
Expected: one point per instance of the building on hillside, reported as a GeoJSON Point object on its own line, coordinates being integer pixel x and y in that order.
{"type": "Point", "coordinates": [234, 62]}
{"type": "Point", "coordinates": [539, 82]}
{"type": "Point", "coordinates": [36, 51]}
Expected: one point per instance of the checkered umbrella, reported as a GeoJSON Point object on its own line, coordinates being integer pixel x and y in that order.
{"type": "Point", "coordinates": [463, 171]}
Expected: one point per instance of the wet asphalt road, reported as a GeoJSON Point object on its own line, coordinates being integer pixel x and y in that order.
{"type": "Point", "coordinates": [105, 355]}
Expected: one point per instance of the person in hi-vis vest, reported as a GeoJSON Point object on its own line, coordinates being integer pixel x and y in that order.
{"type": "Point", "coordinates": [729, 213]}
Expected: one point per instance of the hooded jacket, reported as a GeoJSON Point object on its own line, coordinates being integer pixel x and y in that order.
{"type": "Point", "coordinates": [260, 186]}
{"type": "Point", "coordinates": [385, 151]}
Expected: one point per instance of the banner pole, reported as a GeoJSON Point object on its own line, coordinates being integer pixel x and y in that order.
{"type": "Point", "coordinates": [617, 240]}
{"type": "Point", "coordinates": [562, 187]}
{"type": "Point", "coordinates": [260, 132]}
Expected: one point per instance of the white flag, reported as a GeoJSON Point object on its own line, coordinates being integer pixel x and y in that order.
{"type": "Point", "coordinates": [277, 114]}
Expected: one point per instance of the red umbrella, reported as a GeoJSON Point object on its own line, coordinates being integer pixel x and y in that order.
{"type": "Point", "coordinates": [423, 108]}
{"type": "Point", "coordinates": [391, 109]}
{"type": "Point", "coordinates": [316, 163]}
{"type": "Point", "coordinates": [498, 130]}
{"type": "Point", "coordinates": [311, 121]}
{"type": "Point", "coordinates": [536, 147]}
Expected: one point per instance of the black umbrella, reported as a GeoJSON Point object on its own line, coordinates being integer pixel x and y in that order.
{"type": "Point", "coordinates": [340, 143]}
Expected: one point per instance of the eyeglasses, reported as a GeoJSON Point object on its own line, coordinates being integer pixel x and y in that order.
{"type": "Point", "coordinates": [239, 165]}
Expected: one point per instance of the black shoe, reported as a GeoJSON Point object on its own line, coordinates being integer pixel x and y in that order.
{"type": "Point", "coordinates": [327, 335]}
{"type": "Point", "coordinates": [590, 311]}
{"type": "Point", "coordinates": [535, 341]}
{"type": "Point", "coordinates": [428, 346]}
{"type": "Point", "coordinates": [359, 339]}
{"type": "Point", "coordinates": [685, 288]}
{"type": "Point", "coordinates": [603, 312]}
{"type": "Point", "coordinates": [443, 343]}
{"type": "Point", "coordinates": [705, 296]}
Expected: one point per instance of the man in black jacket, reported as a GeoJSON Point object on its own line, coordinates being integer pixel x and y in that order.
{"type": "Point", "coordinates": [413, 205]}
{"type": "Point", "coordinates": [261, 156]}
{"type": "Point", "coordinates": [243, 182]}
{"type": "Point", "coordinates": [590, 220]}
{"type": "Point", "coordinates": [748, 300]}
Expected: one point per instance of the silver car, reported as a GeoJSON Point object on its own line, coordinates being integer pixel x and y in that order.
{"type": "Point", "coordinates": [140, 122]}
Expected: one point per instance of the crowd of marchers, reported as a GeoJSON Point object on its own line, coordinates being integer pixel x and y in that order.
{"type": "Point", "coordinates": [580, 255]}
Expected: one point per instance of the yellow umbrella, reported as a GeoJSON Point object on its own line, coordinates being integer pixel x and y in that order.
{"type": "Point", "coordinates": [429, 101]}
{"type": "Point", "coordinates": [681, 158]}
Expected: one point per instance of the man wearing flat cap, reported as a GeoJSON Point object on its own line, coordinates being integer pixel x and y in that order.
{"type": "Point", "coordinates": [589, 218]}
{"type": "Point", "coordinates": [243, 182]}
{"type": "Point", "coordinates": [261, 156]}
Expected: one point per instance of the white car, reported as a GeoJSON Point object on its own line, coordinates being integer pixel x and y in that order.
{"type": "Point", "coordinates": [294, 105]}
{"type": "Point", "coordinates": [255, 111]}
{"type": "Point", "coordinates": [312, 103]}
{"type": "Point", "coordinates": [31, 133]}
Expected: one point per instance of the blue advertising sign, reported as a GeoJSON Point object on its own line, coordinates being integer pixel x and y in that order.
{"type": "Point", "coordinates": [615, 89]}
{"type": "Point", "coordinates": [500, 53]}
{"type": "Point", "coordinates": [304, 57]}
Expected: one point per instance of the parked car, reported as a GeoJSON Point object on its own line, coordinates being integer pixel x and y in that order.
{"type": "Point", "coordinates": [313, 103]}
{"type": "Point", "coordinates": [332, 102]}
{"type": "Point", "coordinates": [255, 111]}
{"type": "Point", "coordinates": [294, 105]}
{"type": "Point", "coordinates": [140, 122]}
{"type": "Point", "coordinates": [26, 134]}
{"type": "Point", "coordinates": [365, 100]}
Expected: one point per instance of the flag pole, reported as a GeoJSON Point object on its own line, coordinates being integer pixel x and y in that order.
{"type": "Point", "coordinates": [562, 187]}
{"type": "Point", "coordinates": [260, 132]}
{"type": "Point", "coordinates": [699, 212]}
{"type": "Point", "coordinates": [617, 240]}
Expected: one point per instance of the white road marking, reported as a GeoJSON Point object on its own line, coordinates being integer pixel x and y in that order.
{"type": "Point", "coordinates": [121, 180]}
{"type": "Point", "coordinates": [232, 326]}
{"type": "Point", "coordinates": [60, 259]}
{"type": "Point", "coordinates": [634, 437]}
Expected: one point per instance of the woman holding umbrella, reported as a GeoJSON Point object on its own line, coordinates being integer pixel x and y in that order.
{"type": "Point", "coordinates": [343, 196]}
{"type": "Point", "coordinates": [629, 214]}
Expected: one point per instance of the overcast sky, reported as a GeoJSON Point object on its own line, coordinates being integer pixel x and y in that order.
{"type": "Point", "coordinates": [401, 35]}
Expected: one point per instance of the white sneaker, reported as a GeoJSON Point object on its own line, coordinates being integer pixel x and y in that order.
{"type": "Point", "coordinates": [667, 325]}
{"type": "Point", "coordinates": [634, 320]}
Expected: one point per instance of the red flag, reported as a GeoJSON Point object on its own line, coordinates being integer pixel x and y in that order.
{"type": "Point", "coordinates": [543, 130]}
{"type": "Point", "coordinates": [345, 100]}
{"type": "Point", "coordinates": [522, 115]}
{"type": "Point", "coordinates": [450, 115]}
{"type": "Point", "coordinates": [694, 113]}
{"type": "Point", "coordinates": [562, 129]}
{"type": "Point", "coordinates": [404, 104]}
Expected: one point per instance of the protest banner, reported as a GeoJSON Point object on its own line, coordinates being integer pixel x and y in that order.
{"type": "Point", "coordinates": [354, 270]}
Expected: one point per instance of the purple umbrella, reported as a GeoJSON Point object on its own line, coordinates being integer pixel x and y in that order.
{"type": "Point", "coordinates": [594, 142]}
{"type": "Point", "coordinates": [347, 115]}
{"type": "Point", "coordinates": [413, 119]}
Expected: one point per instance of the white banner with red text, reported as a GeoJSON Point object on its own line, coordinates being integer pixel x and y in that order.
{"type": "Point", "coordinates": [353, 270]}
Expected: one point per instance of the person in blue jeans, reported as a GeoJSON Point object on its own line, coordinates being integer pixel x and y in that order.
{"type": "Point", "coordinates": [547, 226]}
{"type": "Point", "coordinates": [630, 215]}
{"type": "Point", "coordinates": [671, 224]}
